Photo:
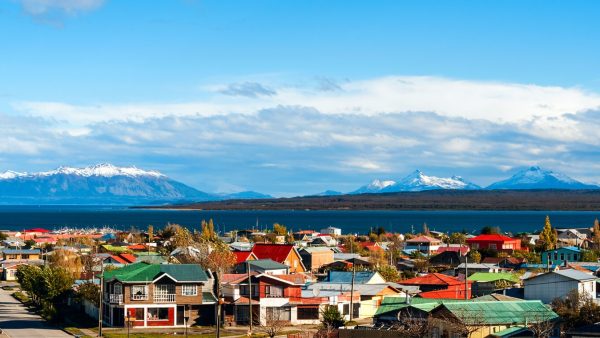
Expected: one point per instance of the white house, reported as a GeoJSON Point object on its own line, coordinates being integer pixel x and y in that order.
{"type": "Point", "coordinates": [557, 284]}
{"type": "Point", "coordinates": [425, 244]}
{"type": "Point", "coordinates": [332, 231]}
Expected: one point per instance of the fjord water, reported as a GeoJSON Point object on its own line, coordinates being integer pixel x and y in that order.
{"type": "Point", "coordinates": [55, 217]}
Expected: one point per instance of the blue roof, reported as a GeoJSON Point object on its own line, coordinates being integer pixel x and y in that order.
{"type": "Point", "coordinates": [22, 251]}
{"type": "Point", "coordinates": [570, 248]}
{"type": "Point", "coordinates": [360, 277]}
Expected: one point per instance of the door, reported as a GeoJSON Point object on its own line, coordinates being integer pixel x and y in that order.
{"type": "Point", "coordinates": [180, 315]}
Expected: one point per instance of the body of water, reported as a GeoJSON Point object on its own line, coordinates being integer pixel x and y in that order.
{"type": "Point", "coordinates": [54, 217]}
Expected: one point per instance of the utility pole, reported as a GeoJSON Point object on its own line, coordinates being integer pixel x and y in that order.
{"type": "Point", "coordinates": [250, 296]}
{"type": "Point", "coordinates": [466, 275]}
{"type": "Point", "coordinates": [352, 283]}
{"type": "Point", "coordinates": [100, 307]}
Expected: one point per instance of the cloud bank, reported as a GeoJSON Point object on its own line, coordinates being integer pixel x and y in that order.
{"type": "Point", "coordinates": [291, 139]}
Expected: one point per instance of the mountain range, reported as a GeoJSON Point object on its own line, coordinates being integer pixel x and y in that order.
{"type": "Point", "coordinates": [532, 178]}
{"type": "Point", "coordinates": [102, 184]}
{"type": "Point", "coordinates": [109, 184]}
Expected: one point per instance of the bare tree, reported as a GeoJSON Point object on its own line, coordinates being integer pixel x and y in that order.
{"type": "Point", "coordinates": [462, 321]}
{"type": "Point", "coordinates": [274, 325]}
{"type": "Point", "coordinates": [541, 324]}
{"type": "Point", "coordinates": [413, 326]}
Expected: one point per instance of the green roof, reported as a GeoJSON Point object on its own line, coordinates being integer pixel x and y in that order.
{"type": "Point", "coordinates": [145, 272]}
{"type": "Point", "coordinates": [493, 277]}
{"type": "Point", "coordinates": [113, 248]}
{"type": "Point", "coordinates": [267, 264]}
{"type": "Point", "coordinates": [392, 303]}
{"type": "Point", "coordinates": [500, 313]}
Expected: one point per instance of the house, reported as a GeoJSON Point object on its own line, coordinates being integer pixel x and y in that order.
{"type": "Point", "coordinates": [323, 240]}
{"type": "Point", "coordinates": [316, 257]}
{"type": "Point", "coordinates": [281, 253]}
{"type": "Point", "coordinates": [267, 266]}
{"type": "Point", "coordinates": [571, 237]}
{"type": "Point", "coordinates": [560, 256]}
{"type": "Point", "coordinates": [20, 254]}
{"type": "Point", "coordinates": [495, 242]}
{"type": "Point", "coordinates": [243, 256]}
{"type": "Point", "coordinates": [557, 284]}
{"type": "Point", "coordinates": [332, 231]}
{"type": "Point", "coordinates": [485, 283]}
{"type": "Point", "coordinates": [424, 244]}
{"type": "Point", "coordinates": [475, 267]}
{"type": "Point", "coordinates": [360, 277]}
{"type": "Point", "coordinates": [370, 246]}
{"type": "Point", "coordinates": [446, 258]}
{"type": "Point", "coordinates": [9, 269]}
{"type": "Point", "coordinates": [274, 297]}
{"type": "Point", "coordinates": [360, 263]}
{"type": "Point", "coordinates": [157, 295]}
{"type": "Point", "coordinates": [371, 295]}
{"type": "Point", "coordinates": [461, 249]}
{"type": "Point", "coordinates": [491, 318]}
{"type": "Point", "coordinates": [437, 285]}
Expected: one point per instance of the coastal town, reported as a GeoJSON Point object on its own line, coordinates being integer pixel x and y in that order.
{"type": "Point", "coordinates": [307, 283]}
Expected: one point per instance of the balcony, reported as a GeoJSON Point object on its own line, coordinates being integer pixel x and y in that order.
{"type": "Point", "coordinates": [115, 298]}
{"type": "Point", "coordinates": [139, 297]}
{"type": "Point", "coordinates": [167, 298]}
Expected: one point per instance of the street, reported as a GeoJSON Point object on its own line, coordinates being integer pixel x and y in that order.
{"type": "Point", "coordinates": [16, 321]}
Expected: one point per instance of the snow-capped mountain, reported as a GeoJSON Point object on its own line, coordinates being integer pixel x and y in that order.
{"type": "Point", "coordinates": [99, 184]}
{"type": "Point", "coordinates": [539, 178]}
{"type": "Point", "coordinates": [417, 181]}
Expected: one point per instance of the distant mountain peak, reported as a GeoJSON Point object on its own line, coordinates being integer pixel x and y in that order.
{"type": "Point", "coordinates": [416, 181]}
{"type": "Point", "coordinates": [536, 177]}
{"type": "Point", "coordinates": [101, 169]}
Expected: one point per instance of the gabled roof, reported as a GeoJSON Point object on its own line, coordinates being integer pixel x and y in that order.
{"type": "Point", "coordinates": [276, 252]}
{"type": "Point", "coordinates": [145, 272]}
{"type": "Point", "coordinates": [360, 277]}
{"type": "Point", "coordinates": [118, 259]}
{"type": "Point", "coordinates": [242, 256]}
{"type": "Point", "coordinates": [500, 313]}
{"type": "Point", "coordinates": [128, 257]}
{"type": "Point", "coordinates": [267, 264]}
{"type": "Point", "coordinates": [491, 238]}
{"type": "Point", "coordinates": [21, 251]}
{"type": "Point", "coordinates": [432, 279]}
{"type": "Point", "coordinates": [569, 248]}
{"type": "Point", "coordinates": [451, 293]}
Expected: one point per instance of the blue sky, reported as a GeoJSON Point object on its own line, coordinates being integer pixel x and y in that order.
{"type": "Point", "coordinates": [296, 97]}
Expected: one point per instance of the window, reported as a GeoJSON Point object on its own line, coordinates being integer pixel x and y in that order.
{"type": "Point", "coordinates": [118, 289]}
{"type": "Point", "coordinates": [25, 256]}
{"type": "Point", "coordinates": [189, 290]}
{"type": "Point", "coordinates": [308, 312]}
{"type": "Point", "coordinates": [493, 246]}
{"type": "Point", "coordinates": [244, 290]}
{"type": "Point", "coordinates": [139, 314]}
{"type": "Point", "coordinates": [278, 313]}
{"type": "Point", "coordinates": [164, 289]}
{"type": "Point", "coordinates": [556, 256]}
{"type": "Point", "coordinates": [139, 292]}
{"type": "Point", "coordinates": [575, 257]}
{"type": "Point", "coordinates": [475, 246]}
{"type": "Point", "coordinates": [346, 309]}
{"type": "Point", "coordinates": [161, 313]}
{"type": "Point", "coordinates": [274, 291]}
{"type": "Point", "coordinates": [562, 256]}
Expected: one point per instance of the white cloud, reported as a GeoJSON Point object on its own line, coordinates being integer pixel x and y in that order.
{"type": "Point", "coordinates": [69, 7]}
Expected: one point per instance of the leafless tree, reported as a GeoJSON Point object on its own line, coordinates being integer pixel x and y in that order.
{"type": "Point", "coordinates": [274, 324]}
{"type": "Point", "coordinates": [413, 326]}
{"type": "Point", "coordinates": [541, 324]}
{"type": "Point", "coordinates": [462, 321]}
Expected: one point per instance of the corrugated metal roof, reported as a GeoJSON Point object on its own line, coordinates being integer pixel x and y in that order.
{"type": "Point", "coordinates": [267, 264]}
{"type": "Point", "coordinates": [493, 276]}
{"type": "Point", "coordinates": [145, 272]}
{"type": "Point", "coordinates": [360, 277]}
{"type": "Point", "coordinates": [503, 312]}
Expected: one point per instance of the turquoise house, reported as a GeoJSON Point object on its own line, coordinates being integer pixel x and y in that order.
{"type": "Point", "coordinates": [559, 256]}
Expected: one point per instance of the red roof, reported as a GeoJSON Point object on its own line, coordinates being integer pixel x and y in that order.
{"type": "Point", "coordinates": [128, 257]}
{"type": "Point", "coordinates": [491, 238]}
{"type": "Point", "coordinates": [455, 292]}
{"type": "Point", "coordinates": [137, 247]}
{"type": "Point", "coordinates": [118, 259]}
{"type": "Point", "coordinates": [37, 230]}
{"type": "Point", "coordinates": [276, 252]}
{"type": "Point", "coordinates": [242, 256]}
{"type": "Point", "coordinates": [432, 279]}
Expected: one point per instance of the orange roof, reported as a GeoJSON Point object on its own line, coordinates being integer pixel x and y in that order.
{"type": "Point", "coordinates": [432, 279]}
{"type": "Point", "coordinates": [450, 293]}
{"type": "Point", "coordinates": [137, 247]}
{"type": "Point", "coordinates": [118, 259]}
{"type": "Point", "coordinates": [128, 257]}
